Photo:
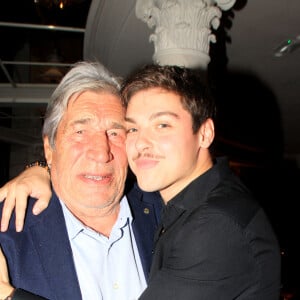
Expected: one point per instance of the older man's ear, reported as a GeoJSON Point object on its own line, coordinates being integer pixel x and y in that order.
{"type": "Point", "coordinates": [48, 151]}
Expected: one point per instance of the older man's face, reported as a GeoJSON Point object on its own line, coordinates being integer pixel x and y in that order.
{"type": "Point", "coordinates": [88, 162]}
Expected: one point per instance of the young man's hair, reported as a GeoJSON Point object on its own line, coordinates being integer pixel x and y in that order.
{"type": "Point", "coordinates": [186, 83]}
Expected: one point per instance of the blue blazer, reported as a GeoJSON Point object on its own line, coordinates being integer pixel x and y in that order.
{"type": "Point", "coordinates": [40, 257]}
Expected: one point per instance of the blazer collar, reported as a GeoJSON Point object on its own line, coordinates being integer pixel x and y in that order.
{"type": "Point", "coordinates": [54, 250]}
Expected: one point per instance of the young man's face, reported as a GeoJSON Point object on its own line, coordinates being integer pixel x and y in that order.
{"type": "Point", "coordinates": [162, 149]}
{"type": "Point", "coordinates": [89, 163]}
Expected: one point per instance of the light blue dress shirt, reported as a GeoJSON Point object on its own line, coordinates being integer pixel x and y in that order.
{"type": "Point", "coordinates": [107, 268]}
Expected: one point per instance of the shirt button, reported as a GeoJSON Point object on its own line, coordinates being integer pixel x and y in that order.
{"type": "Point", "coordinates": [146, 211]}
{"type": "Point", "coordinates": [115, 286]}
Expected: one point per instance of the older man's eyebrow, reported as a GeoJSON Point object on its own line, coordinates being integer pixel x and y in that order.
{"type": "Point", "coordinates": [112, 124]}
{"type": "Point", "coordinates": [117, 125]}
{"type": "Point", "coordinates": [80, 121]}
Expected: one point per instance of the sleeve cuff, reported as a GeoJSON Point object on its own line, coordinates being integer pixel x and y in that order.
{"type": "Point", "coordinates": [20, 294]}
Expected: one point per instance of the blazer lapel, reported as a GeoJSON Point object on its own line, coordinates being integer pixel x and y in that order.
{"type": "Point", "coordinates": [54, 250]}
{"type": "Point", "coordinates": [145, 209]}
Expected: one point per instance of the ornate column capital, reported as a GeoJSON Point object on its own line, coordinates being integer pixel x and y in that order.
{"type": "Point", "coordinates": [182, 32]}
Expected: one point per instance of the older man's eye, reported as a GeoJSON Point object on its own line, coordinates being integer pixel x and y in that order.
{"type": "Point", "coordinates": [112, 133]}
{"type": "Point", "coordinates": [116, 134]}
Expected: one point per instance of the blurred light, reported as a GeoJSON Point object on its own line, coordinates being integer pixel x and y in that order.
{"type": "Point", "coordinates": [287, 46]}
{"type": "Point", "coordinates": [54, 3]}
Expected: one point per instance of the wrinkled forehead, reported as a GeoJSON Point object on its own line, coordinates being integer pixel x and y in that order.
{"type": "Point", "coordinates": [96, 104]}
{"type": "Point", "coordinates": [102, 96]}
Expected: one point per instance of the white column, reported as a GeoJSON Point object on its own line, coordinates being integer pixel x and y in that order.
{"type": "Point", "coordinates": [182, 32]}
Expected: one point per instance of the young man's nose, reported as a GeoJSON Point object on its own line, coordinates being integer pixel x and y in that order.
{"type": "Point", "coordinates": [143, 140]}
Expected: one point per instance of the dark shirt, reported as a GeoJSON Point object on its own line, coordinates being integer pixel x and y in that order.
{"type": "Point", "coordinates": [214, 243]}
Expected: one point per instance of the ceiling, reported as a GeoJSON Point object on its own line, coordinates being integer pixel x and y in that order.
{"type": "Point", "coordinates": [39, 42]}
{"type": "Point", "coordinates": [259, 93]}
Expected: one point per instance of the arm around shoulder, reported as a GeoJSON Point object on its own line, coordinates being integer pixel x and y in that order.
{"type": "Point", "coordinates": [34, 182]}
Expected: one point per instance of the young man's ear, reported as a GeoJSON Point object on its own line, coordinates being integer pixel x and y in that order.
{"type": "Point", "coordinates": [48, 151]}
{"type": "Point", "coordinates": [206, 133]}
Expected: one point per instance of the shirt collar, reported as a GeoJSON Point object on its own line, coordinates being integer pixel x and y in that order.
{"type": "Point", "coordinates": [190, 196]}
{"type": "Point", "coordinates": [75, 226]}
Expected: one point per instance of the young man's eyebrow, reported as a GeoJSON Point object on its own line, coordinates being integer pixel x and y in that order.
{"type": "Point", "coordinates": [156, 115]}
{"type": "Point", "coordinates": [131, 120]}
{"type": "Point", "coordinates": [164, 113]}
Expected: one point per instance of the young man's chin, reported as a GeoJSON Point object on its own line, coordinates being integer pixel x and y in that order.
{"type": "Point", "coordinates": [147, 186]}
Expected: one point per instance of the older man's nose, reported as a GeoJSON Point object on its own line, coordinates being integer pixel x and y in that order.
{"type": "Point", "coordinates": [99, 148]}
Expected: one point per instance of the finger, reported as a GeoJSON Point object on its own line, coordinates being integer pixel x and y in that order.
{"type": "Point", "coordinates": [3, 192]}
{"type": "Point", "coordinates": [3, 267]}
{"type": "Point", "coordinates": [22, 192]}
{"type": "Point", "coordinates": [8, 208]}
{"type": "Point", "coordinates": [41, 204]}
{"type": "Point", "coordinates": [2, 259]}
{"type": "Point", "coordinates": [21, 204]}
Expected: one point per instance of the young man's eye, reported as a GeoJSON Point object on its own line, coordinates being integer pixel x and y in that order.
{"type": "Point", "coordinates": [79, 131]}
{"type": "Point", "coordinates": [131, 130]}
{"type": "Point", "coordinates": [163, 125]}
